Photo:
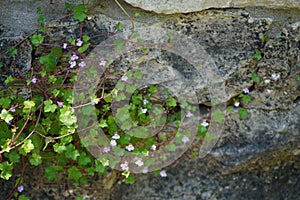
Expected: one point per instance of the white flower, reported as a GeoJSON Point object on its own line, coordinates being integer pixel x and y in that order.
{"type": "Point", "coordinates": [106, 150]}
{"type": "Point", "coordinates": [236, 104]}
{"type": "Point", "coordinates": [65, 45]}
{"type": "Point", "coordinates": [129, 147]}
{"type": "Point", "coordinates": [82, 64]}
{"type": "Point", "coordinates": [116, 136]}
{"type": "Point", "coordinates": [34, 80]}
{"type": "Point", "coordinates": [144, 110]}
{"type": "Point", "coordinates": [124, 166]}
{"type": "Point", "coordinates": [163, 173]}
{"type": "Point", "coordinates": [72, 64]}
{"type": "Point", "coordinates": [189, 114]}
{"type": "Point", "coordinates": [275, 77]}
{"type": "Point", "coordinates": [153, 147]}
{"type": "Point", "coordinates": [102, 63]}
{"type": "Point", "coordinates": [204, 123]}
{"type": "Point", "coordinates": [185, 139]}
{"type": "Point", "coordinates": [139, 162]}
{"type": "Point", "coordinates": [113, 143]}
{"type": "Point", "coordinates": [79, 42]}
{"type": "Point", "coordinates": [267, 81]}
{"type": "Point", "coordinates": [74, 57]}
{"type": "Point", "coordinates": [124, 78]}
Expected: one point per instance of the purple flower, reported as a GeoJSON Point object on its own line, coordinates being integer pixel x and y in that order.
{"type": "Point", "coordinates": [20, 188]}
{"type": "Point", "coordinates": [163, 173]}
{"type": "Point", "coordinates": [129, 147]}
{"type": "Point", "coordinates": [139, 162]}
{"type": "Point", "coordinates": [60, 103]}
{"type": "Point", "coordinates": [246, 91]}
{"type": "Point", "coordinates": [106, 150]}
{"type": "Point", "coordinates": [185, 139]}
{"type": "Point", "coordinates": [74, 57]}
{"type": "Point", "coordinates": [189, 114]}
{"type": "Point", "coordinates": [82, 64]}
{"type": "Point", "coordinates": [124, 166]}
{"type": "Point", "coordinates": [79, 42]}
{"type": "Point", "coordinates": [145, 101]}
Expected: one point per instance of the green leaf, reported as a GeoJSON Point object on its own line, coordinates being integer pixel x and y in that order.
{"type": "Point", "coordinates": [12, 51]}
{"type": "Point", "coordinates": [6, 147]}
{"type": "Point", "coordinates": [6, 116]}
{"type": "Point", "coordinates": [71, 152]}
{"type": "Point", "coordinates": [201, 131]}
{"type": "Point", "coordinates": [35, 159]}
{"type": "Point", "coordinates": [119, 26]}
{"type": "Point", "coordinates": [255, 78]}
{"type": "Point", "coordinates": [58, 148]}
{"type": "Point", "coordinates": [67, 117]}
{"type": "Point", "coordinates": [120, 44]}
{"type": "Point", "coordinates": [99, 168]}
{"type": "Point", "coordinates": [72, 41]}
{"type": "Point", "coordinates": [68, 6]}
{"type": "Point", "coordinates": [6, 170]}
{"type": "Point", "coordinates": [79, 12]}
{"type": "Point", "coordinates": [257, 55]}
{"type": "Point", "coordinates": [84, 47]}
{"type": "Point", "coordinates": [13, 156]}
{"type": "Point", "coordinates": [26, 147]}
{"type": "Point", "coordinates": [74, 173]}
{"type": "Point", "coordinates": [125, 139]}
{"type": "Point", "coordinates": [298, 78]}
{"type": "Point", "coordinates": [246, 99]}
{"type": "Point", "coordinates": [49, 106]}
{"type": "Point", "coordinates": [243, 113]}
{"type": "Point", "coordinates": [214, 102]}
{"type": "Point", "coordinates": [103, 123]}
{"type": "Point", "coordinates": [23, 197]}
{"type": "Point", "coordinates": [129, 180]}
{"type": "Point", "coordinates": [171, 147]}
{"type": "Point", "coordinates": [1, 65]}
{"type": "Point", "coordinates": [230, 108]}
{"type": "Point", "coordinates": [137, 14]}
{"type": "Point", "coordinates": [50, 173]}
{"type": "Point", "coordinates": [218, 116]}
{"type": "Point", "coordinates": [5, 102]}
{"type": "Point", "coordinates": [36, 39]}
{"type": "Point", "coordinates": [85, 38]}
{"type": "Point", "coordinates": [84, 159]}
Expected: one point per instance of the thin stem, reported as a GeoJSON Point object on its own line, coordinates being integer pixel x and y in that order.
{"type": "Point", "coordinates": [130, 18]}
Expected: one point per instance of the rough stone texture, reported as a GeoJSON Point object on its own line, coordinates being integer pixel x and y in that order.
{"type": "Point", "coordinates": [256, 158]}
{"type": "Point", "coordinates": [185, 6]}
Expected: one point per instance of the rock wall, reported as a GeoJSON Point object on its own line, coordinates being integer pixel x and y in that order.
{"type": "Point", "coordinates": [256, 158]}
{"type": "Point", "coordinates": [185, 6]}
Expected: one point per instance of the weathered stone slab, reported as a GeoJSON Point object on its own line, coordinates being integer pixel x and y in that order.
{"type": "Point", "coordinates": [185, 6]}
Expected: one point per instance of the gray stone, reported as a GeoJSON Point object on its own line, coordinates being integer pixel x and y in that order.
{"type": "Point", "coordinates": [185, 6]}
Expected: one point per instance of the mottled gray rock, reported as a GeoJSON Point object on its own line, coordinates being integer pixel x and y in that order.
{"type": "Point", "coordinates": [14, 65]}
{"type": "Point", "coordinates": [185, 6]}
